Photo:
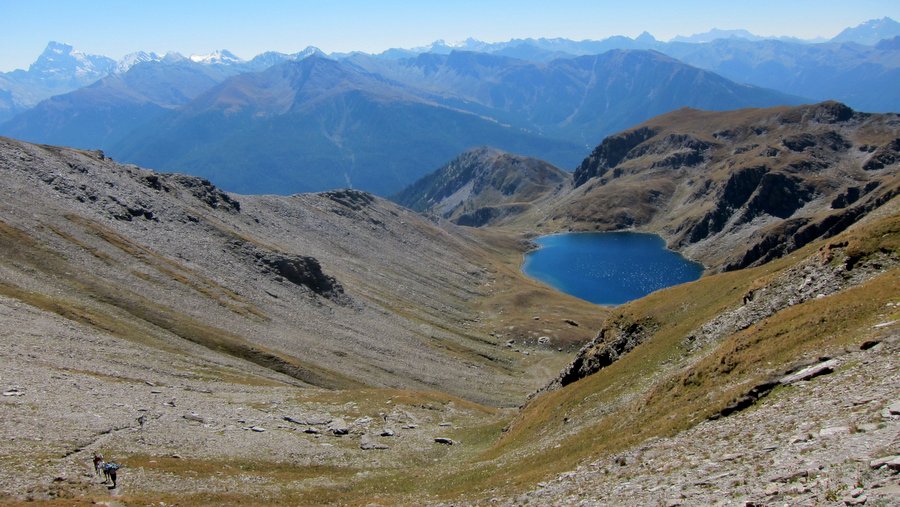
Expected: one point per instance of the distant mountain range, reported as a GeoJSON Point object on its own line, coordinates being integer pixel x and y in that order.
{"type": "Point", "coordinates": [867, 33]}
{"type": "Point", "coordinates": [717, 34]}
{"type": "Point", "coordinates": [105, 112]}
{"type": "Point", "coordinates": [319, 124]}
{"type": "Point", "coordinates": [864, 77]}
{"type": "Point", "coordinates": [369, 123]}
{"type": "Point", "coordinates": [307, 121]}
{"type": "Point", "coordinates": [582, 99]}
{"type": "Point", "coordinates": [61, 69]}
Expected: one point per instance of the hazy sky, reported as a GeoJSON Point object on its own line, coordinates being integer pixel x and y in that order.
{"type": "Point", "coordinates": [117, 27]}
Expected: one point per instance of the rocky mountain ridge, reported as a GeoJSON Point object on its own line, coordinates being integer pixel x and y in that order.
{"type": "Point", "coordinates": [482, 186]}
{"type": "Point", "coordinates": [772, 180]}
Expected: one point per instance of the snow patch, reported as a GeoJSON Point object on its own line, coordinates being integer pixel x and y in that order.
{"type": "Point", "coordinates": [130, 60]}
{"type": "Point", "coordinates": [218, 57]}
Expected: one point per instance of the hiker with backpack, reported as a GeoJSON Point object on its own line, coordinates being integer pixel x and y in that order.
{"type": "Point", "coordinates": [109, 470]}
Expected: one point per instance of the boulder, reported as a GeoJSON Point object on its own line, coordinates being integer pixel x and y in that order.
{"type": "Point", "coordinates": [834, 430]}
{"type": "Point", "coordinates": [339, 427]}
{"type": "Point", "coordinates": [194, 417]}
{"type": "Point", "coordinates": [855, 500]}
{"type": "Point", "coordinates": [204, 191]}
{"type": "Point", "coordinates": [892, 462]}
{"type": "Point", "coordinates": [894, 408]}
{"type": "Point", "coordinates": [318, 420]}
{"type": "Point", "coordinates": [367, 444]}
{"type": "Point", "coordinates": [810, 372]}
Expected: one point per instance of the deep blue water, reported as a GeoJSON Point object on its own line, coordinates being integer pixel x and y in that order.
{"type": "Point", "coordinates": [608, 268]}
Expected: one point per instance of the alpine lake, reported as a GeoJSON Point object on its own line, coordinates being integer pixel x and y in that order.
{"type": "Point", "coordinates": [608, 268]}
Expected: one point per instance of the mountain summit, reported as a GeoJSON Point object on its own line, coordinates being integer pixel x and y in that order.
{"type": "Point", "coordinates": [870, 32]}
{"type": "Point", "coordinates": [60, 62]}
{"type": "Point", "coordinates": [218, 57]}
{"type": "Point", "coordinates": [716, 34]}
{"type": "Point", "coordinates": [483, 186]}
{"type": "Point", "coordinates": [59, 69]}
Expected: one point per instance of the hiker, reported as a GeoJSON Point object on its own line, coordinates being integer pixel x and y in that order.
{"type": "Point", "coordinates": [98, 463]}
{"type": "Point", "coordinates": [110, 469]}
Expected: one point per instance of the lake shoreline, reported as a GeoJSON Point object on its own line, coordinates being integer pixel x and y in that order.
{"type": "Point", "coordinates": [607, 268]}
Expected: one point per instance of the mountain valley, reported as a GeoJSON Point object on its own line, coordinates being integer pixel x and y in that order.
{"type": "Point", "coordinates": [336, 347]}
{"type": "Point", "coordinates": [298, 279]}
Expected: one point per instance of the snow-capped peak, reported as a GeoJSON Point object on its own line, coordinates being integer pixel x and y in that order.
{"type": "Point", "coordinates": [309, 51]}
{"type": "Point", "coordinates": [58, 48]}
{"type": "Point", "coordinates": [130, 60]}
{"type": "Point", "coordinates": [61, 61]}
{"type": "Point", "coordinates": [220, 57]}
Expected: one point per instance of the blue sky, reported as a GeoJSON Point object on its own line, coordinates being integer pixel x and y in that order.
{"type": "Point", "coordinates": [117, 27]}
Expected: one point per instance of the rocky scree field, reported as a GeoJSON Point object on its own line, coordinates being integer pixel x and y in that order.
{"type": "Point", "coordinates": [139, 303]}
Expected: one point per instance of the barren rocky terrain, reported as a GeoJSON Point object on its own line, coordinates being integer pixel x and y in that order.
{"type": "Point", "coordinates": [148, 315]}
{"type": "Point", "coordinates": [340, 288]}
